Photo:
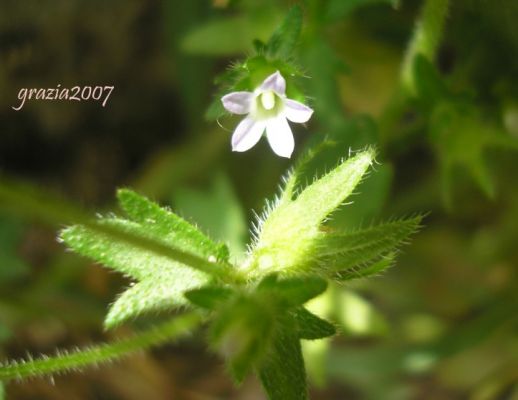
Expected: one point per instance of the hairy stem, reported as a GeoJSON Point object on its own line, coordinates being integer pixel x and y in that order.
{"type": "Point", "coordinates": [30, 202]}
{"type": "Point", "coordinates": [425, 40]}
{"type": "Point", "coordinates": [81, 358]}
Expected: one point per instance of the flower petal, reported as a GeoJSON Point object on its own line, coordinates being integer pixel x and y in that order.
{"type": "Point", "coordinates": [247, 134]}
{"type": "Point", "coordinates": [297, 112]}
{"type": "Point", "coordinates": [280, 137]}
{"type": "Point", "coordinates": [238, 102]}
{"type": "Point", "coordinates": [274, 82]}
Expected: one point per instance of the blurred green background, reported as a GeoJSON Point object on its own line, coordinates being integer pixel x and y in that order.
{"type": "Point", "coordinates": [441, 324]}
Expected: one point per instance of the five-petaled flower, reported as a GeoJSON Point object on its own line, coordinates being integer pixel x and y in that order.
{"type": "Point", "coordinates": [267, 108]}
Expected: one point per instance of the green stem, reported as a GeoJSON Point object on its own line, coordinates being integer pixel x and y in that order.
{"type": "Point", "coordinates": [78, 359]}
{"type": "Point", "coordinates": [425, 40]}
{"type": "Point", "coordinates": [30, 202]}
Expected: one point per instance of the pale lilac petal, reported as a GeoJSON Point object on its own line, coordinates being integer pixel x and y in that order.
{"type": "Point", "coordinates": [247, 134]}
{"type": "Point", "coordinates": [238, 102]}
{"type": "Point", "coordinates": [297, 112]}
{"type": "Point", "coordinates": [280, 137]}
{"type": "Point", "coordinates": [275, 82]}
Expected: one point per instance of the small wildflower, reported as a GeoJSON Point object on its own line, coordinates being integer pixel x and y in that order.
{"type": "Point", "coordinates": [267, 107]}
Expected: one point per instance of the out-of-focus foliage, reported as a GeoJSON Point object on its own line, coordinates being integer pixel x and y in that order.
{"type": "Point", "coordinates": [228, 225]}
{"type": "Point", "coordinates": [442, 324]}
{"type": "Point", "coordinates": [14, 266]}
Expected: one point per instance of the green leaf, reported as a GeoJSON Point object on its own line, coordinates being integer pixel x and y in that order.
{"type": "Point", "coordinates": [150, 270]}
{"type": "Point", "coordinates": [289, 229]}
{"type": "Point", "coordinates": [242, 331]}
{"type": "Point", "coordinates": [283, 40]}
{"type": "Point", "coordinates": [311, 327]}
{"type": "Point", "coordinates": [329, 192]}
{"type": "Point", "coordinates": [282, 371]}
{"type": "Point", "coordinates": [151, 295]}
{"type": "Point", "coordinates": [161, 281]}
{"type": "Point", "coordinates": [368, 269]}
{"type": "Point", "coordinates": [166, 224]}
{"type": "Point", "coordinates": [209, 297]}
{"type": "Point", "coordinates": [342, 251]}
{"type": "Point", "coordinates": [123, 257]}
{"type": "Point", "coordinates": [294, 291]}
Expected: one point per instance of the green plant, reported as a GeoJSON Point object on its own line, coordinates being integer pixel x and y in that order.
{"type": "Point", "coordinates": [254, 311]}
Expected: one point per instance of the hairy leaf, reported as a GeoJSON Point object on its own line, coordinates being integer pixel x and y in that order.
{"type": "Point", "coordinates": [367, 269]}
{"type": "Point", "coordinates": [326, 194]}
{"type": "Point", "coordinates": [311, 327]}
{"type": "Point", "coordinates": [148, 269]}
{"type": "Point", "coordinates": [150, 295]}
{"type": "Point", "coordinates": [362, 253]}
{"type": "Point", "coordinates": [242, 331]}
{"type": "Point", "coordinates": [289, 229]}
{"type": "Point", "coordinates": [282, 371]}
{"type": "Point", "coordinates": [343, 251]}
{"type": "Point", "coordinates": [161, 281]}
{"type": "Point", "coordinates": [168, 225]}
{"type": "Point", "coordinates": [370, 242]}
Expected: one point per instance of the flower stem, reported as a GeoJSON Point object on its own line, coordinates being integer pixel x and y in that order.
{"type": "Point", "coordinates": [425, 40]}
{"type": "Point", "coordinates": [81, 358]}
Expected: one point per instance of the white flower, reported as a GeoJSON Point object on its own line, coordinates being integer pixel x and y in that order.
{"type": "Point", "coordinates": [267, 108]}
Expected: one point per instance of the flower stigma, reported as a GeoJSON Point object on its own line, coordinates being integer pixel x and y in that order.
{"type": "Point", "coordinates": [268, 100]}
